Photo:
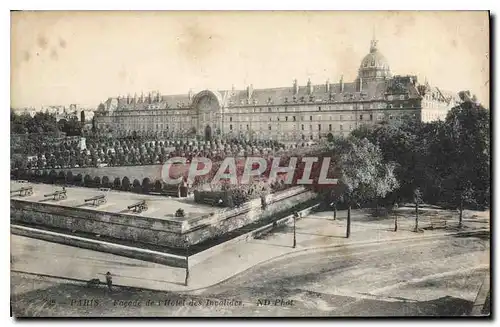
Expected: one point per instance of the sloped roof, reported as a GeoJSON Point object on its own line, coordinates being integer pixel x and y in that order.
{"type": "Point", "coordinates": [371, 90]}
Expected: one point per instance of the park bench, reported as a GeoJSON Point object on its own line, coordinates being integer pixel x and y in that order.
{"type": "Point", "coordinates": [57, 195]}
{"type": "Point", "coordinates": [139, 206]}
{"type": "Point", "coordinates": [23, 191]}
{"type": "Point", "coordinates": [97, 200]}
{"type": "Point", "coordinates": [437, 222]}
{"type": "Point", "coordinates": [22, 181]}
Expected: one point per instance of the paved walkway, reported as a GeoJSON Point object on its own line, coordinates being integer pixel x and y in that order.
{"type": "Point", "coordinates": [315, 232]}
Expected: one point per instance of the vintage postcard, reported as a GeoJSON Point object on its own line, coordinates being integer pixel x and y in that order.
{"type": "Point", "coordinates": [250, 164]}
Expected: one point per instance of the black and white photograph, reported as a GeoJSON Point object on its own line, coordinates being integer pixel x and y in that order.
{"type": "Point", "coordinates": [250, 164]}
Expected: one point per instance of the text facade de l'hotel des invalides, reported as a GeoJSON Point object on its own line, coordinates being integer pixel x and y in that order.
{"type": "Point", "coordinates": [291, 113]}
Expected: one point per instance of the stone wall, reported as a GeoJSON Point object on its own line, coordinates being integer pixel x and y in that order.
{"type": "Point", "coordinates": [162, 232]}
{"type": "Point", "coordinates": [121, 226]}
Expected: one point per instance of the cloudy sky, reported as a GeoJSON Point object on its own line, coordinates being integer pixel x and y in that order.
{"type": "Point", "coordinates": [86, 57]}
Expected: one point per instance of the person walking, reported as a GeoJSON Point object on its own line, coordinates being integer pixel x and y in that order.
{"type": "Point", "coordinates": [109, 280]}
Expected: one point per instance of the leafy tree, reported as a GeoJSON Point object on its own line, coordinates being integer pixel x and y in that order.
{"type": "Point", "coordinates": [97, 181]}
{"type": "Point", "coordinates": [363, 173]}
{"type": "Point", "coordinates": [126, 183]}
{"type": "Point", "coordinates": [467, 134]}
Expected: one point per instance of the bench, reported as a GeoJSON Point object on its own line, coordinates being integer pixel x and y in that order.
{"type": "Point", "coordinates": [23, 191]}
{"type": "Point", "coordinates": [57, 195]}
{"type": "Point", "coordinates": [437, 222]}
{"type": "Point", "coordinates": [22, 181]}
{"type": "Point", "coordinates": [139, 206]}
{"type": "Point", "coordinates": [97, 200]}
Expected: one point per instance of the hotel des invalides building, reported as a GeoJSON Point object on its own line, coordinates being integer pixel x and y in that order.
{"type": "Point", "coordinates": [294, 113]}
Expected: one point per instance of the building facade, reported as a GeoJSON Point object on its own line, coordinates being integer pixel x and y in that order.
{"type": "Point", "coordinates": [295, 113]}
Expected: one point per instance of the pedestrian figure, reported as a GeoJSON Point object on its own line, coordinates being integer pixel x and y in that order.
{"type": "Point", "coordinates": [109, 280]}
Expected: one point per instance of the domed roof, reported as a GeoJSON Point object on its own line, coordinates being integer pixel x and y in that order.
{"type": "Point", "coordinates": [374, 64]}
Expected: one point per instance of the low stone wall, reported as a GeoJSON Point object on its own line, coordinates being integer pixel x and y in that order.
{"type": "Point", "coordinates": [120, 226]}
{"type": "Point", "coordinates": [170, 233]}
{"type": "Point", "coordinates": [204, 255]}
{"type": "Point", "coordinates": [223, 222]}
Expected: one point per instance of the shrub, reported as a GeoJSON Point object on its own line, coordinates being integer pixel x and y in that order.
{"type": "Point", "coordinates": [61, 177]}
{"type": "Point", "coordinates": [52, 177]}
{"type": "Point", "coordinates": [126, 183]}
{"type": "Point", "coordinates": [97, 181]}
{"type": "Point", "coordinates": [87, 180]}
{"type": "Point", "coordinates": [146, 185]}
{"type": "Point", "coordinates": [105, 181]}
{"type": "Point", "coordinates": [136, 186]}
{"type": "Point", "coordinates": [158, 185]}
{"type": "Point", "coordinates": [180, 213]}
{"type": "Point", "coordinates": [69, 177]}
{"type": "Point", "coordinates": [78, 179]}
{"type": "Point", "coordinates": [117, 183]}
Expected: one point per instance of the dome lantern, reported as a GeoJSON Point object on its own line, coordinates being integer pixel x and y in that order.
{"type": "Point", "coordinates": [374, 65]}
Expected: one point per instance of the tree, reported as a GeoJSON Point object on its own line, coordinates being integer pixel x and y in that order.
{"type": "Point", "coordinates": [105, 181]}
{"type": "Point", "coordinates": [417, 199]}
{"type": "Point", "coordinates": [126, 183]}
{"type": "Point", "coordinates": [158, 186]}
{"type": "Point", "coordinates": [69, 177]}
{"type": "Point", "coordinates": [97, 181]}
{"type": "Point", "coordinates": [146, 185]}
{"type": "Point", "coordinates": [61, 177]}
{"type": "Point", "coordinates": [467, 151]}
{"type": "Point", "coordinates": [363, 173]}
{"type": "Point", "coordinates": [87, 180]}
{"type": "Point", "coordinates": [179, 213]}
{"type": "Point", "coordinates": [52, 176]}
{"type": "Point", "coordinates": [78, 179]}
{"type": "Point", "coordinates": [136, 186]}
{"type": "Point", "coordinates": [117, 183]}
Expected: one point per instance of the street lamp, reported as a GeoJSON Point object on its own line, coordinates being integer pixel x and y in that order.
{"type": "Point", "coordinates": [187, 261]}
{"type": "Point", "coordinates": [295, 216]}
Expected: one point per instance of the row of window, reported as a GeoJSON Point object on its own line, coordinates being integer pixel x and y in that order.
{"type": "Point", "coordinates": [303, 118]}
{"type": "Point", "coordinates": [270, 128]}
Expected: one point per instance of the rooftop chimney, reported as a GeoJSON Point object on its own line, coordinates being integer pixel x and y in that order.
{"type": "Point", "coordinates": [249, 91]}
{"type": "Point", "coordinates": [341, 83]}
{"type": "Point", "coordinates": [295, 87]}
{"type": "Point", "coordinates": [310, 88]}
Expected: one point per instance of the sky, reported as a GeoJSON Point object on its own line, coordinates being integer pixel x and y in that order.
{"type": "Point", "coordinates": [64, 57]}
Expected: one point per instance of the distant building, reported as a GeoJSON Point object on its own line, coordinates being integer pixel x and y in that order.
{"type": "Point", "coordinates": [298, 112]}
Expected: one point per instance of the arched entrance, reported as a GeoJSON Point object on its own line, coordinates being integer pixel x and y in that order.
{"type": "Point", "coordinates": [207, 107]}
{"type": "Point", "coordinates": [208, 133]}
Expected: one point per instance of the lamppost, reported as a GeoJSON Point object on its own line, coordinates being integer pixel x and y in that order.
{"type": "Point", "coordinates": [187, 261]}
{"type": "Point", "coordinates": [295, 216]}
